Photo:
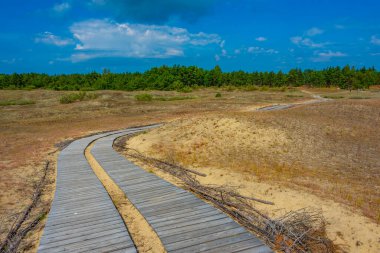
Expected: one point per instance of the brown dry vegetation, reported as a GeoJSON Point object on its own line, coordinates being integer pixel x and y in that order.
{"type": "Point", "coordinates": [330, 150]}
{"type": "Point", "coordinates": [28, 132]}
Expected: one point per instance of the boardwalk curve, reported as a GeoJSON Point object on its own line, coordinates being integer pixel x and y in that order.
{"type": "Point", "coordinates": [183, 222]}
{"type": "Point", "coordinates": [82, 217]}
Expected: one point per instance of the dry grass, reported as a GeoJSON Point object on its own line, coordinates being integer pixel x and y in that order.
{"type": "Point", "coordinates": [326, 155]}
{"type": "Point", "coordinates": [330, 149]}
{"type": "Point", "coordinates": [28, 132]}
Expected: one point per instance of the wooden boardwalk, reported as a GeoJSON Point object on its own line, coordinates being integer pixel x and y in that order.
{"type": "Point", "coordinates": [83, 217]}
{"type": "Point", "coordinates": [183, 222]}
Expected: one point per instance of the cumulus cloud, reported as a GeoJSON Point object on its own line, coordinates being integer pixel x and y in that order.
{"type": "Point", "coordinates": [375, 40]}
{"type": "Point", "coordinates": [307, 42]}
{"type": "Point", "coordinates": [51, 39]}
{"type": "Point", "coordinates": [62, 7]}
{"type": "Point", "coordinates": [314, 31]}
{"type": "Point", "coordinates": [327, 56]}
{"type": "Point", "coordinates": [261, 39]}
{"type": "Point", "coordinates": [106, 38]}
{"type": "Point", "coordinates": [153, 11]}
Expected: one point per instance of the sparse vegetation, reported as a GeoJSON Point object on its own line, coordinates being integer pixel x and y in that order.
{"type": "Point", "coordinates": [333, 96]}
{"type": "Point", "coordinates": [218, 95]}
{"type": "Point", "coordinates": [174, 98]}
{"type": "Point", "coordinates": [274, 146]}
{"type": "Point", "coordinates": [30, 131]}
{"type": "Point", "coordinates": [144, 97]}
{"type": "Point", "coordinates": [17, 102]}
{"type": "Point", "coordinates": [149, 97]}
{"type": "Point", "coordinates": [75, 97]}
{"type": "Point", "coordinates": [294, 96]}
{"type": "Point", "coordinates": [327, 150]}
{"type": "Point", "coordinates": [359, 97]}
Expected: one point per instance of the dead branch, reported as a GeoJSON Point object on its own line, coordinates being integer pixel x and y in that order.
{"type": "Point", "coordinates": [298, 231]}
{"type": "Point", "coordinates": [20, 228]}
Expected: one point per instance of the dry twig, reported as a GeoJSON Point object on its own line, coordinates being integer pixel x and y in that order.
{"type": "Point", "coordinates": [20, 227]}
{"type": "Point", "coordinates": [297, 231]}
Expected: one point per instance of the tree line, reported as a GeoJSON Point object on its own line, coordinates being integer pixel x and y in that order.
{"type": "Point", "coordinates": [183, 77]}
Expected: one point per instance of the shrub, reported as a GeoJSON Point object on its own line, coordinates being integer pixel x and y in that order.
{"type": "Point", "coordinates": [218, 95]}
{"type": "Point", "coordinates": [250, 87]}
{"type": "Point", "coordinates": [74, 97]}
{"type": "Point", "coordinates": [185, 89]}
{"type": "Point", "coordinates": [144, 97]}
{"type": "Point", "coordinates": [229, 88]}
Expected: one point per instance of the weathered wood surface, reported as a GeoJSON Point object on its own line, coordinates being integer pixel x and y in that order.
{"type": "Point", "coordinates": [183, 222]}
{"type": "Point", "coordinates": [82, 217]}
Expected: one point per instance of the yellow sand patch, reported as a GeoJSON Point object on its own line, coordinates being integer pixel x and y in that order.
{"type": "Point", "coordinates": [234, 150]}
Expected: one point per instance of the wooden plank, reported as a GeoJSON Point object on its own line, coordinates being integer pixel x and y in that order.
{"type": "Point", "coordinates": [199, 232]}
{"type": "Point", "coordinates": [214, 244]}
{"type": "Point", "coordinates": [82, 217]}
{"type": "Point", "coordinates": [201, 239]}
{"type": "Point", "coordinates": [258, 249]}
{"type": "Point", "coordinates": [244, 246]}
{"type": "Point", "coordinates": [179, 215]}
{"type": "Point", "coordinates": [165, 232]}
{"type": "Point", "coordinates": [171, 220]}
{"type": "Point", "coordinates": [183, 222]}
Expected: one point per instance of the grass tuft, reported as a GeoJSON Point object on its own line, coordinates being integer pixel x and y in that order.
{"type": "Point", "coordinates": [17, 102]}
{"type": "Point", "coordinates": [333, 97]}
{"type": "Point", "coordinates": [144, 97]}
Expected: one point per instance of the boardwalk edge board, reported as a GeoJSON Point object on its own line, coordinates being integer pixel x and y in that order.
{"type": "Point", "coordinates": [83, 217]}
{"type": "Point", "coordinates": [162, 211]}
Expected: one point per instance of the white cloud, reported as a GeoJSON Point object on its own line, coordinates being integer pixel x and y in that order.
{"type": "Point", "coordinates": [9, 61]}
{"type": "Point", "coordinates": [260, 50]}
{"type": "Point", "coordinates": [49, 38]}
{"type": "Point", "coordinates": [261, 39]}
{"type": "Point", "coordinates": [326, 56]}
{"type": "Point", "coordinates": [60, 8]}
{"type": "Point", "coordinates": [105, 38]}
{"type": "Point", "coordinates": [217, 57]}
{"type": "Point", "coordinates": [375, 40]}
{"type": "Point", "coordinates": [314, 31]}
{"type": "Point", "coordinates": [307, 42]}
{"type": "Point", "coordinates": [340, 27]}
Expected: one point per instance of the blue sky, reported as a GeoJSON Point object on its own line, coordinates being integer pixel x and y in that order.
{"type": "Point", "coordinates": [79, 36]}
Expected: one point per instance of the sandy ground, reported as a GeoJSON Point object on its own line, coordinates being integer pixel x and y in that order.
{"type": "Point", "coordinates": [28, 133]}
{"type": "Point", "coordinates": [143, 235]}
{"type": "Point", "coordinates": [350, 230]}
{"type": "Point", "coordinates": [196, 142]}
